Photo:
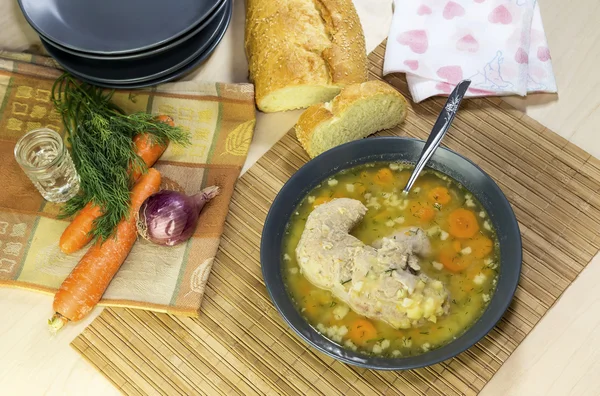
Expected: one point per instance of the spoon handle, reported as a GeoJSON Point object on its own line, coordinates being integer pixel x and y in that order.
{"type": "Point", "coordinates": [439, 130]}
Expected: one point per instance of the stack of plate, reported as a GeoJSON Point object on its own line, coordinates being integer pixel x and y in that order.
{"type": "Point", "coordinates": [129, 43]}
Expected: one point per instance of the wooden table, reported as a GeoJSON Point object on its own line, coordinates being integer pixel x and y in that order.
{"type": "Point", "coordinates": [562, 354]}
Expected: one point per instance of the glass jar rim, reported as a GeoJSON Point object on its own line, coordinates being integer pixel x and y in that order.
{"type": "Point", "coordinates": [19, 145]}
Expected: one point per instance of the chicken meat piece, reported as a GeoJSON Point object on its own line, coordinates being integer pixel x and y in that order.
{"type": "Point", "coordinates": [383, 281]}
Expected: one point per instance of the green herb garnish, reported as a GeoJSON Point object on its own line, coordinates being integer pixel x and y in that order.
{"type": "Point", "coordinates": [346, 281]}
{"type": "Point", "coordinates": [100, 135]}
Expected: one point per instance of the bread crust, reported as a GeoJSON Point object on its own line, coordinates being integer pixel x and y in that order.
{"type": "Point", "coordinates": [347, 56]}
{"type": "Point", "coordinates": [293, 43]}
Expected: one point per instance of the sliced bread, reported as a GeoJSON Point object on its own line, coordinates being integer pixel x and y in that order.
{"type": "Point", "coordinates": [357, 112]}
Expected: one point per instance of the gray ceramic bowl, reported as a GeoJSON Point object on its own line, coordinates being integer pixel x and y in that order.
{"type": "Point", "coordinates": [132, 71]}
{"type": "Point", "coordinates": [111, 27]}
{"type": "Point", "coordinates": [403, 150]}
{"type": "Point", "coordinates": [188, 68]}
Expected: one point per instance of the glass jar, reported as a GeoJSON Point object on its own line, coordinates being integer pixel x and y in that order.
{"type": "Point", "coordinates": [44, 158]}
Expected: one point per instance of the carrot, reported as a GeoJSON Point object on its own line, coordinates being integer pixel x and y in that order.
{"type": "Point", "coordinates": [463, 223]}
{"type": "Point", "coordinates": [314, 300]}
{"type": "Point", "coordinates": [453, 261]}
{"type": "Point", "coordinates": [384, 176]}
{"type": "Point", "coordinates": [321, 200]}
{"type": "Point", "coordinates": [361, 331]}
{"type": "Point", "coordinates": [149, 151]}
{"type": "Point", "coordinates": [473, 271]}
{"type": "Point", "coordinates": [310, 309]}
{"type": "Point", "coordinates": [304, 287]}
{"type": "Point", "coordinates": [78, 233]}
{"type": "Point", "coordinates": [85, 285]}
{"type": "Point", "coordinates": [481, 246]}
{"type": "Point", "coordinates": [439, 195]}
{"type": "Point", "coordinates": [360, 190]}
{"type": "Point", "coordinates": [422, 212]}
{"type": "Point", "coordinates": [457, 246]}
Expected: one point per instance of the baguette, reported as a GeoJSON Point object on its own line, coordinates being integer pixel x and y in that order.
{"type": "Point", "coordinates": [358, 111]}
{"type": "Point", "coordinates": [302, 52]}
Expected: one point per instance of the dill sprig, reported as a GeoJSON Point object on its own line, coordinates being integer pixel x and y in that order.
{"type": "Point", "coordinates": [101, 138]}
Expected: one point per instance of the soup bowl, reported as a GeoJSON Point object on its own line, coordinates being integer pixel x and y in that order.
{"type": "Point", "coordinates": [391, 149]}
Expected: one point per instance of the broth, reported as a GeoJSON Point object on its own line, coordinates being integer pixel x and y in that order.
{"type": "Point", "coordinates": [464, 256]}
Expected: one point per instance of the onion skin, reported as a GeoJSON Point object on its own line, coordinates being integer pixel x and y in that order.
{"type": "Point", "coordinates": [169, 218]}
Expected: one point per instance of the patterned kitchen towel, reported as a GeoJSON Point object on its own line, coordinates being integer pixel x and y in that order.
{"type": "Point", "coordinates": [220, 118]}
{"type": "Point", "coordinates": [500, 45]}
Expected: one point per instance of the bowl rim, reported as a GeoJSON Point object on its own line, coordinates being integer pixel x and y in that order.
{"type": "Point", "coordinates": [470, 337]}
{"type": "Point", "coordinates": [34, 23]}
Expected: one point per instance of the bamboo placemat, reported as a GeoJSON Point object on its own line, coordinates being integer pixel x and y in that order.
{"type": "Point", "coordinates": [240, 345]}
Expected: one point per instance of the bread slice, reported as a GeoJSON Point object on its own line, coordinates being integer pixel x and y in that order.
{"type": "Point", "coordinates": [302, 52]}
{"type": "Point", "coordinates": [358, 111]}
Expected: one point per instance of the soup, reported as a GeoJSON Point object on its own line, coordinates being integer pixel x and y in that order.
{"type": "Point", "coordinates": [459, 264]}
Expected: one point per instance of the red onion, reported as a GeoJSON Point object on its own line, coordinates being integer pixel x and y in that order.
{"type": "Point", "coordinates": [169, 218]}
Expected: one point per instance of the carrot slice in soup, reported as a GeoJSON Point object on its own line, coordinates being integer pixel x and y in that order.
{"type": "Point", "coordinates": [439, 195]}
{"type": "Point", "coordinates": [384, 176]}
{"type": "Point", "coordinates": [456, 245]}
{"type": "Point", "coordinates": [463, 223]}
{"type": "Point", "coordinates": [453, 261]}
{"type": "Point", "coordinates": [304, 287]}
{"type": "Point", "coordinates": [321, 200]}
{"type": "Point", "coordinates": [481, 246]}
{"type": "Point", "coordinates": [359, 189]}
{"type": "Point", "coordinates": [422, 212]}
{"type": "Point", "coordinates": [472, 272]}
{"type": "Point", "coordinates": [361, 331]}
{"type": "Point", "coordinates": [311, 309]}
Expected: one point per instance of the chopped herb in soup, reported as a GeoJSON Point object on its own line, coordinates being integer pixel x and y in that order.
{"type": "Point", "coordinates": [385, 274]}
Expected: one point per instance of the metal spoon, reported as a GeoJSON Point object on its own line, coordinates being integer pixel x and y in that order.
{"type": "Point", "coordinates": [439, 130]}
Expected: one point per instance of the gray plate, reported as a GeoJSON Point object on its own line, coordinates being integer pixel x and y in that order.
{"type": "Point", "coordinates": [403, 150]}
{"type": "Point", "coordinates": [114, 26]}
{"type": "Point", "coordinates": [178, 73]}
{"type": "Point", "coordinates": [129, 71]}
{"type": "Point", "coordinates": [144, 54]}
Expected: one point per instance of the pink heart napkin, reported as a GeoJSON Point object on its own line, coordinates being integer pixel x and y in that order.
{"type": "Point", "coordinates": [500, 45]}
